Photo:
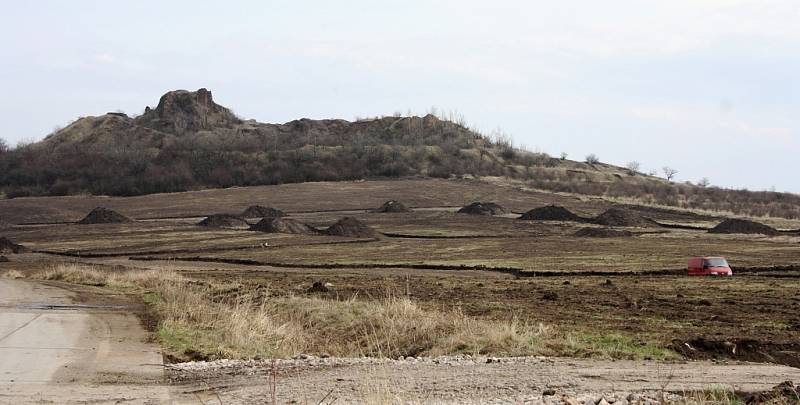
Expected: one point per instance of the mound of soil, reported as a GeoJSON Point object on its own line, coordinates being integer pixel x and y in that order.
{"type": "Point", "coordinates": [3, 259]}
{"type": "Point", "coordinates": [318, 286]}
{"type": "Point", "coordinates": [224, 221]}
{"type": "Point", "coordinates": [734, 225]}
{"type": "Point", "coordinates": [102, 215]}
{"type": "Point", "coordinates": [739, 349]}
{"type": "Point", "coordinates": [622, 217]}
{"type": "Point", "coordinates": [550, 213]}
{"type": "Point", "coordinates": [283, 225]}
{"type": "Point", "coordinates": [392, 206]}
{"type": "Point", "coordinates": [783, 393]}
{"type": "Point", "coordinates": [260, 211]}
{"type": "Point", "coordinates": [602, 233]}
{"type": "Point", "coordinates": [7, 246]}
{"type": "Point", "coordinates": [352, 227]}
{"type": "Point", "coordinates": [479, 208]}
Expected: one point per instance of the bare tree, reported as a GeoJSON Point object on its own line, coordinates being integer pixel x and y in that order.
{"type": "Point", "coordinates": [563, 155]}
{"type": "Point", "coordinates": [633, 167]}
{"type": "Point", "coordinates": [669, 172]}
{"type": "Point", "coordinates": [704, 182]}
{"type": "Point", "coordinates": [592, 159]}
{"type": "Point", "coordinates": [3, 145]}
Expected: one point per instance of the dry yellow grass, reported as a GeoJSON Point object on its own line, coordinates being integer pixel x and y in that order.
{"type": "Point", "coordinates": [226, 320]}
{"type": "Point", "coordinates": [13, 274]}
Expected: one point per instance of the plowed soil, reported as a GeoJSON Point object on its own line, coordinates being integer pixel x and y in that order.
{"type": "Point", "coordinates": [284, 225]}
{"type": "Point", "coordinates": [623, 217]}
{"type": "Point", "coordinates": [479, 208]}
{"type": "Point", "coordinates": [735, 225]}
{"type": "Point", "coordinates": [392, 206]}
{"type": "Point", "coordinates": [629, 290]}
{"type": "Point", "coordinates": [260, 211]}
{"type": "Point", "coordinates": [550, 213]}
{"type": "Point", "coordinates": [7, 246]}
{"type": "Point", "coordinates": [102, 215]}
{"type": "Point", "coordinates": [351, 227]}
{"type": "Point", "coordinates": [224, 221]}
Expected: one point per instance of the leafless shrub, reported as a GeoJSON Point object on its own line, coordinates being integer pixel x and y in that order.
{"type": "Point", "coordinates": [633, 167]}
{"type": "Point", "coordinates": [669, 173]}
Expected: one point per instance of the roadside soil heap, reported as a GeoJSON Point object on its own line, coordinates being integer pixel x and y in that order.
{"type": "Point", "coordinates": [7, 246]}
{"type": "Point", "coordinates": [479, 208]}
{"type": "Point", "coordinates": [352, 227]}
{"type": "Point", "coordinates": [550, 213]}
{"type": "Point", "coordinates": [260, 211]}
{"type": "Point", "coordinates": [284, 225]}
{"type": "Point", "coordinates": [783, 393]}
{"type": "Point", "coordinates": [226, 221]}
{"type": "Point", "coordinates": [102, 215]}
{"type": "Point", "coordinates": [621, 217]}
{"type": "Point", "coordinates": [392, 206]}
{"type": "Point", "coordinates": [603, 233]}
{"type": "Point", "coordinates": [734, 225]}
{"type": "Point", "coordinates": [3, 259]}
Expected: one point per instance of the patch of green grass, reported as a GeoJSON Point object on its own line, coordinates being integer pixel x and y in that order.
{"type": "Point", "coordinates": [715, 394]}
{"type": "Point", "coordinates": [152, 298]}
{"type": "Point", "coordinates": [614, 346]}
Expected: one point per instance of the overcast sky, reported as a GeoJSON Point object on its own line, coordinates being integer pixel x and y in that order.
{"type": "Point", "coordinates": [709, 87]}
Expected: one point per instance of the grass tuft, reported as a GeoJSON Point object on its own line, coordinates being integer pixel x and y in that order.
{"type": "Point", "coordinates": [225, 320]}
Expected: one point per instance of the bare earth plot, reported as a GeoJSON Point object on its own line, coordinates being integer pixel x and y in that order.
{"type": "Point", "coordinates": [292, 198]}
{"type": "Point", "coordinates": [610, 306]}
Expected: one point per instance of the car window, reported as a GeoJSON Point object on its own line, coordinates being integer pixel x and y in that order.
{"type": "Point", "coordinates": [715, 263]}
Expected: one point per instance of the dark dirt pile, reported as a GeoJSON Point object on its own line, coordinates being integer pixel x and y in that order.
{"type": "Point", "coordinates": [260, 211]}
{"type": "Point", "coordinates": [224, 221]}
{"type": "Point", "coordinates": [622, 217]}
{"type": "Point", "coordinates": [783, 393]}
{"type": "Point", "coordinates": [550, 213]}
{"type": "Point", "coordinates": [318, 286]}
{"type": "Point", "coordinates": [3, 259]}
{"type": "Point", "coordinates": [701, 348]}
{"type": "Point", "coordinates": [479, 208]}
{"type": "Point", "coordinates": [603, 233]}
{"type": "Point", "coordinates": [283, 225]}
{"type": "Point", "coordinates": [734, 225]}
{"type": "Point", "coordinates": [7, 246]}
{"type": "Point", "coordinates": [392, 206]}
{"type": "Point", "coordinates": [102, 215]}
{"type": "Point", "coordinates": [352, 227]}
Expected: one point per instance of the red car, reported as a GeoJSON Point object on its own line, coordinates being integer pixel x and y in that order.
{"type": "Point", "coordinates": [709, 266]}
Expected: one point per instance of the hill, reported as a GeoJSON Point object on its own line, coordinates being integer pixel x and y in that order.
{"type": "Point", "coordinates": [189, 142]}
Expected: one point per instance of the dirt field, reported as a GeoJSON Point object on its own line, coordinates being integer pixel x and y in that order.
{"type": "Point", "coordinates": [619, 298]}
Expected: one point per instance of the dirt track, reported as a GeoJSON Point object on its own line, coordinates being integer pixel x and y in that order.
{"type": "Point", "coordinates": [464, 380]}
{"type": "Point", "coordinates": [54, 350]}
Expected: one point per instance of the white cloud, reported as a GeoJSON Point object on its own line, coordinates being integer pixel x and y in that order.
{"type": "Point", "coordinates": [700, 117]}
{"type": "Point", "coordinates": [104, 58]}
